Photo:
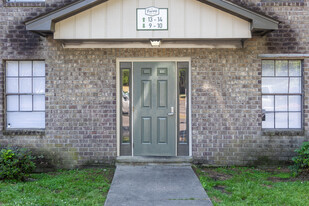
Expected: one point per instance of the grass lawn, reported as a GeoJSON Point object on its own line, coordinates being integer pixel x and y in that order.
{"type": "Point", "coordinates": [249, 186]}
{"type": "Point", "coordinates": [72, 187]}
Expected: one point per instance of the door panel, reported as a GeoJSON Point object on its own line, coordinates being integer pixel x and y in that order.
{"type": "Point", "coordinates": [146, 93]}
{"type": "Point", "coordinates": [146, 130]}
{"type": "Point", "coordinates": [162, 93]}
{"type": "Point", "coordinates": [154, 94]}
{"type": "Point", "coordinates": [162, 130]}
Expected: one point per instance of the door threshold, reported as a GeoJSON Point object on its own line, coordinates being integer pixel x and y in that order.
{"type": "Point", "coordinates": [153, 160]}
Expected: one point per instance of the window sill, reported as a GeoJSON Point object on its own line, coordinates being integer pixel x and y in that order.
{"type": "Point", "coordinates": [283, 132]}
{"type": "Point", "coordinates": [36, 132]}
{"type": "Point", "coordinates": [24, 4]}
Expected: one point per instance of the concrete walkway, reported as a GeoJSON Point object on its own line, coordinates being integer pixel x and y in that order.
{"type": "Point", "coordinates": [157, 185]}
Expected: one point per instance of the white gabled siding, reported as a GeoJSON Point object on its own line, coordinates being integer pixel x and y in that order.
{"type": "Point", "coordinates": [187, 19]}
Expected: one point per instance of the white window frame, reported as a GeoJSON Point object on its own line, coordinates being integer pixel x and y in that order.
{"type": "Point", "coordinates": [19, 94]}
{"type": "Point", "coordinates": [288, 94]}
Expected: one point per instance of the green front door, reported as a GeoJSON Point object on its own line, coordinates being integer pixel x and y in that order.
{"type": "Point", "coordinates": [154, 108]}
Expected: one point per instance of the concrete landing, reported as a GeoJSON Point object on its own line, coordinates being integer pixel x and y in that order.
{"type": "Point", "coordinates": [159, 185]}
{"type": "Point", "coordinates": [138, 160]}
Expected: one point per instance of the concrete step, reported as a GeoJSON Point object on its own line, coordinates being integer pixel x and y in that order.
{"type": "Point", "coordinates": [138, 160]}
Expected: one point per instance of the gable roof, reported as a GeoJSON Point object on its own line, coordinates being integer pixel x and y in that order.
{"type": "Point", "coordinates": [45, 24]}
{"type": "Point", "coordinates": [259, 21]}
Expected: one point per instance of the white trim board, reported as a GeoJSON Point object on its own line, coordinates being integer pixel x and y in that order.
{"type": "Point", "coordinates": [208, 44]}
{"type": "Point", "coordinates": [283, 56]}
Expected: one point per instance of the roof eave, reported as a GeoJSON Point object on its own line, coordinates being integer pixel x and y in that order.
{"type": "Point", "coordinates": [258, 21]}
{"type": "Point", "coordinates": [44, 24]}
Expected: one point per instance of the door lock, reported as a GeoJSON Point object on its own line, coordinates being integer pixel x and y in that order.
{"type": "Point", "coordinates": [172, 112]}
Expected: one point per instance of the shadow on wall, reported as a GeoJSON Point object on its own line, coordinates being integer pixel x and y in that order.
{"type": "Point", "coordinates": [22, 43]}
{"type": "Point", "coordinates": [46, 161]}
{"type": "Point", "coordinates": [288, 37]}
{"type": "Point", "coordinates": [17, 41]}
{"type": "Point", "coordinates": [283, 40]}
{"type": "Point", "coordinates": [272, 153]}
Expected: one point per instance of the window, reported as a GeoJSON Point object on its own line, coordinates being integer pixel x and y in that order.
{"type": "Point", "coordinates": [282, 94]}
{"type": "Point", "coordinates": [25, 94]}
{"type": "Point", "coordinates": [125, 105]}
{"type": "Point", "coordinates": [183, 118]}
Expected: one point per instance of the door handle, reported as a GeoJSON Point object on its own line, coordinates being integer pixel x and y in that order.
{"type": "Point", "coordinates": [172, 112]}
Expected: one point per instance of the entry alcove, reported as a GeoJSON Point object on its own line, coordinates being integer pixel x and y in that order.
{"type": "Point", "coordinates": [152, 24]}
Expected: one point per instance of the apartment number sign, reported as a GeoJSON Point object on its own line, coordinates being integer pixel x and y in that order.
{"type": "Point", "coordinates": [151, 18]}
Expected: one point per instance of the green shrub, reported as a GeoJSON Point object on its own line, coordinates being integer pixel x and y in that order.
{"type": "Point", "coordinates": [301, 161]}
{"type": "Point", "coordinates": [16, 163]}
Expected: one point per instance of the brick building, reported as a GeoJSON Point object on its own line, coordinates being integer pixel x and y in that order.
{"type": "Point", "coordinates": [219, 82]}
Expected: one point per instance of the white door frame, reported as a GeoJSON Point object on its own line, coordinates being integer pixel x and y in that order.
{"type": "Point", "coordinates": [118, 111]}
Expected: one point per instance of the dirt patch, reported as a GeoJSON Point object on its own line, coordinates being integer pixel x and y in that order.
{"type": "Point", "coordinates": [216, 199]}
{"type": "Point", "coordinates": [110, 175]}
{"type": "Point", "coordinates": [54, 173]}
{"type": "Point", "coordinates": [268, 186]}
{"type": "Point", "coordinates": [303, 176]}
{"type": "Point", "coordinates": [221, 188]}
{"type": "Point", "coordinates": [107, 173]}
{"type": "Point", "coordinates": [31, 179]}
{"type": "Point", "coordinates": [279, 179]}
{"type": "Point", "coordinates": [276, 170]}
{"type": "Point", "coordinates": [217, 176]}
